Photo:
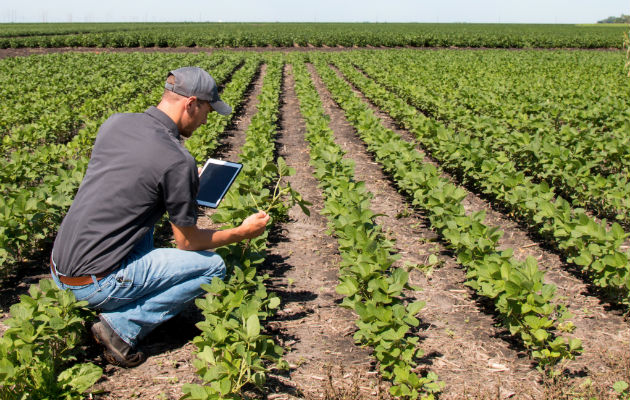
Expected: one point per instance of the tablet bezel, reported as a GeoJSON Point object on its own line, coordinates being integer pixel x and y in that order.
{"type": "Point", "coordinates": [236, 166]}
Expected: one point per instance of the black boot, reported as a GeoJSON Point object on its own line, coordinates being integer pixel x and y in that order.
{"type": "Point", "coordinates": [117, 351]}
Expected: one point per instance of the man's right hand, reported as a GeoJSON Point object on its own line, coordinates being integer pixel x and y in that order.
{"type": "Point", "coordinates": [194, 238]}
{"type": "Point", "coordinates": [255, 224]}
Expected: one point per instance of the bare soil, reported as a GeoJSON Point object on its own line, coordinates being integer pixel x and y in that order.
{"type": "Point", "coordinates": [460, 335]}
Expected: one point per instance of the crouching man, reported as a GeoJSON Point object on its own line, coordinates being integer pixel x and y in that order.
{"type": "Point", "coordinates": [138, 171]}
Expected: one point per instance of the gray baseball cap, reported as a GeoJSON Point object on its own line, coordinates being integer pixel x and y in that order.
{"type": "Point", "coordinates": [194, 81]}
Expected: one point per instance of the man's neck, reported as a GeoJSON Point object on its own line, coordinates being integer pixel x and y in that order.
{"type": "Point", "coordinates": [173, 111]}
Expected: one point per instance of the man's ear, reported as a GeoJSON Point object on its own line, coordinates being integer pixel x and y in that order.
{"type": "Point", "coordinates": [190, 103]}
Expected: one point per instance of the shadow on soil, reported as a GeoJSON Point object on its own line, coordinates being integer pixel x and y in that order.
{"type": "Point", "coordinates": [19, 277]}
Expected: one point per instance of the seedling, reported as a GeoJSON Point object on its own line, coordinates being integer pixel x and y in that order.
{"type": "Point", "coordinates": [406, 212]}
{"type": "Point", "coordinates": [426, 269]}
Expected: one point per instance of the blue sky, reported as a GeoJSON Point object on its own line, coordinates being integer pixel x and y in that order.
{"type": "Point", "coordinates": [486, 11]}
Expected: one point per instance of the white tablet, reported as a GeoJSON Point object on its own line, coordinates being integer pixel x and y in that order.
{"type": "Point", "coordinates": [214, 181]}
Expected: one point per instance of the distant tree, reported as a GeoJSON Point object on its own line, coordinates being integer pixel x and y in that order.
{"type": "Point", "coordinates": [624, 19]}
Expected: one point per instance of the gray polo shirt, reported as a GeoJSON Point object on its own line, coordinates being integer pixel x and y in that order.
{"type": "Point", "coordinates": [138, 171]}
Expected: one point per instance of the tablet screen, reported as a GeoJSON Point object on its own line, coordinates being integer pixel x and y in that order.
{"type": "Point", "coordinates": [215, 180]}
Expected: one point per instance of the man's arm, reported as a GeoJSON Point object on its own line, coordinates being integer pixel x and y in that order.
{"type": "Point", "coordinates": [194, 238]}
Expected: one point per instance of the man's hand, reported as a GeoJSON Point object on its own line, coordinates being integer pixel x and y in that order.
{"type": "Point", "coordinates": [194, 238]}
{"type": "Point", "coordinates": [255, 224]}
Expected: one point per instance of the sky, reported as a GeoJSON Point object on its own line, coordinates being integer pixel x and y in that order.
{"type": "Point", "coordinates": [480, 11]}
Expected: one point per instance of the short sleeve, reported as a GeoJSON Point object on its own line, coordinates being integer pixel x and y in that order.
{"type": "Point", "coordinates": [180, 184]}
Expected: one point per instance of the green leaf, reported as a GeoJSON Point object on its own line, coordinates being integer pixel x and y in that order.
{"type": "Point", "coordinates": [207, 355]}
{"type": "Point", "coordinates": [541, 335]}
{"type": "Point", "coordinates": [575, 345]}
{"type": "Point", "coordinates": [80, 377]}
{"type": "Point", "coordinates": [253, 326]}
{"type": "Point", "coordinates": [225, 385]}
{"type": "Point", "coordinates": [6, 369]}
{"type": "Point", "coordinates": [274, 302]}
{"type": "Point", "coordinates": [195, 391]}
{"type": "Point", "coordinates": [512, 289]}
{"type": "Point", "coordinates": [57, 323]}
{"type": "Point", "coordinates": [219, 334]}
{"type": "Point", "coordinates": [259, 379]}
{"type": "Point", "coordinates": [348, 287]}
{"type": "Point", "coordinates": [415, 307]}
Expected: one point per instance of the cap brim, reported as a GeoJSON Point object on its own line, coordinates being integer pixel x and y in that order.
{"type": "Point", "coordinates": [221, 108]}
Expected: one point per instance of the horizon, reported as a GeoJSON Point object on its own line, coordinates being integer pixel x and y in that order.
{"type": "Point", "coordinates": [325, 11]}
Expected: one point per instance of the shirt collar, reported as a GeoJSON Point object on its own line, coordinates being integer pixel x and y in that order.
{"type": "Point", "coordinates": [165, 120]}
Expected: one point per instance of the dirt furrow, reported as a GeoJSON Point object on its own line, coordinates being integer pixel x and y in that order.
{"type": "Point", "coordinates": [303, 264]}
{"type": "Point", "coordinates": [169, 350]}
{"type": "Point", "coordinates": [604, 331]}
{"type": "Point", "coordinates": [460, 342]}
{"type": "Point", "coordinates": [234, 136]}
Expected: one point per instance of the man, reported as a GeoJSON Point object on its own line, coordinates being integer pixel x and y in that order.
{"type": "Point", "coordinates": [139, 170]}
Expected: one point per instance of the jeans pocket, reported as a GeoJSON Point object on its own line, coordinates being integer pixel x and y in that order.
{"type": "Point", "coordinates": [94, 294]}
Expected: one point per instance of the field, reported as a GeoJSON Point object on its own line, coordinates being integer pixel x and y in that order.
{"type": "Point", "coordinates": [189, 34]}
{"type": "Point", "coordinates": [466, 234]}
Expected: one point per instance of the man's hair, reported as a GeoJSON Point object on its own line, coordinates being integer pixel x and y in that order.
{"type": "Point", "coordinates": [169, 95]}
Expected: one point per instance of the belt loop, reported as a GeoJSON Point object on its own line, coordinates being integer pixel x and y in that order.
{"type": "Point", "coordinates": [96, 282]}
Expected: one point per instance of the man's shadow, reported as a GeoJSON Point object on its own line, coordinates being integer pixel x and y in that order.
{"type": "Point", "coordinates": [174, 333]}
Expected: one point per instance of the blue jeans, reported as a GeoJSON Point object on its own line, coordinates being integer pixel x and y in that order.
{"type": "Point", "coordinates": [151, 286]}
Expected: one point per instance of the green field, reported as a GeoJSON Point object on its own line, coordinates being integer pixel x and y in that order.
{"type": "Point", "coordinates": [541, 135]}
{"type": "Point", "coordinates": [310, 34]}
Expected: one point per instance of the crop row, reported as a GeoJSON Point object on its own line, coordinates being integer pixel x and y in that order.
{"type": "Point", "coordinates": [232, 349]}
{"type": "Point", "coordinates": [37, 29]}
{"type": "Point", "coordinates": [56, 110]}
{"type": "Point", "coordinates": [582, 160]}
{"type": "Point", "coordinates": [523, 90]}
{"type": "Point", "coordinates": [315, 34]}
{"type": "Point", "coordinates": [525, 93]}
{"type": "Point", "coordinates": [38, 351]}
{"type": "Point", "coordinates": [524, 301]}
{"type": "Point", "coordinates": [28, 166]}
{"type": "Point", "coordinates": [583, 240]}
{"type": "Point", "coordinates": [372, 287]}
